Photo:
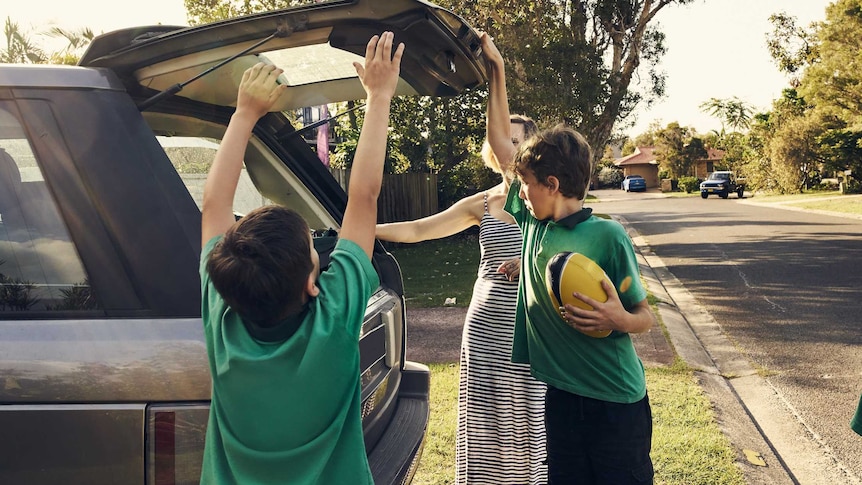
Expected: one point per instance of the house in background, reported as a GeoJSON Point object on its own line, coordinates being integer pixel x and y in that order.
{"type": "Point", "coordinates": [643, 162]}
{"type": "Point", "coordinates": [705, 166]}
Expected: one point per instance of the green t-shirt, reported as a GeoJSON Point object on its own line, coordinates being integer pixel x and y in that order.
{"type": "Point", "coordinates": [607, 369]}
{"type": "Point", "coordinates": [288, 411]}
{"type": "Point", "coordinates": [856, 422]}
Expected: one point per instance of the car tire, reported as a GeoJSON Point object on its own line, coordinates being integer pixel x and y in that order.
{"type": "Point", "coordinates": [704, 195]}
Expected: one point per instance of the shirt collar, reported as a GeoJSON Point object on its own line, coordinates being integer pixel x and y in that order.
{"type": "Point", "coordinates": [572, 220]}
{"type": "Point", "coordinates": [279, 332]}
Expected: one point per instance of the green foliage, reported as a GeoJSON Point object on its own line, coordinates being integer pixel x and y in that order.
{"type": "Point", "coordinates": [732, 112]}
{"type": "Point", "coordinates": [842, 149]}
{"type": "Point", "coordinates": [791, 46]}
{"type": "Point", "coordinates": [852, 186]}
{"type": "Point", "coordinates": [677, 148]}
{"type": "Point", "coordinates": [206, 11]}
{"type": "Point", "coordinates": [588, 64]}
{"type": "Point", "coordinates": [466, 178]}
{"type": "Point", "coordinates": [833, 84]}
{"type": "Point", "coordinates": [689, 184]}
{"type": "Point", "coordinates": [610, 177]}
{"type": "Point", "coordinates": [19, 48]}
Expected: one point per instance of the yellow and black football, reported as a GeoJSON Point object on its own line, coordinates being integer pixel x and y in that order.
{"type": "Point", "coordinates": [569, 272]}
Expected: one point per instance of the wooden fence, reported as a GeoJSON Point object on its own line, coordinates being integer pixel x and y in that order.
{"type": "Point", "coordinates": [403, 197]}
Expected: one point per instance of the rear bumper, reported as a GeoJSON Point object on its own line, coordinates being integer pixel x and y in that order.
{"type": "Point", "coordinates": [395, 457]}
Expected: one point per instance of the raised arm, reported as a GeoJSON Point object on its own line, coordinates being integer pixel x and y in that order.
{"type": "Point", "coordinates": [463, 214]}
{"type": "Point", "coordinates": [379, 77]}
{"type": "Point", "coordinates": [258, 91]}
{"type": "Point", "coordinates": [498, 129]}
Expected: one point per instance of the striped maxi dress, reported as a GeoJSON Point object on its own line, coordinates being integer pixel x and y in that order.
{"type": "Point", "coordinates": [501, 431]}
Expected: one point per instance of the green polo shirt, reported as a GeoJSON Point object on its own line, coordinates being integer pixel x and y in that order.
{"type": "Point", "coordinates": [288, 410]}
{"type": "Point", "coordinates": [856, 422]}
{"type": "Point", "coordinates": [607, 369]}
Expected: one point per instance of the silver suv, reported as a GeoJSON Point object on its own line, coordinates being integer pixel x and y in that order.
{"type": "Point", "coordinates": [105, 377]}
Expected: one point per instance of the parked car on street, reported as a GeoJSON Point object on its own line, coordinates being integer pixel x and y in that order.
{"type": "Point", "coordinates": [633, 183]}
{"type": "Point", "coordinates": [722, 183]}
{"type": "Point", "coordinates": [102, 353]}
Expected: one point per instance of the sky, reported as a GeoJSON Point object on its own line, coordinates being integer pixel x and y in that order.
{"type": "Point", "coordinates": [716, 48]}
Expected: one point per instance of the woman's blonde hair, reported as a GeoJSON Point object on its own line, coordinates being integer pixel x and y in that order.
{"type": "Point", "coordinates": [490, 158]}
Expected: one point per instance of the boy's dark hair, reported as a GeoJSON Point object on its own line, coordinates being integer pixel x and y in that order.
{"type": "Point", "coordinates": [560, 152]}
{"type": "Point", "coordinates": [261, 266]}
{"type": "Point", "coordinates": [530, 127]}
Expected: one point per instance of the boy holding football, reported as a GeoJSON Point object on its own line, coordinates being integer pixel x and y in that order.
{"type": "Point", "coordinates": [597, 414]}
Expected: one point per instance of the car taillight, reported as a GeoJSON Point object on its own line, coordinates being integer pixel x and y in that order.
{"type": "Point", "coordinates": [175, 443]}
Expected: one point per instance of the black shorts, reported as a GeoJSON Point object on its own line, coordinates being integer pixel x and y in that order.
{"type": "Point", "coordinates": [597, 442]}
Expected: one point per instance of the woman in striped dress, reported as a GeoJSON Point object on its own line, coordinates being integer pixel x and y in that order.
{"type": "Point", "coordinates": [501, 433]}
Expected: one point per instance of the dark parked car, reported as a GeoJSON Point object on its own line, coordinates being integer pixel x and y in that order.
{"type": "Point", "coordinates": [633, 183]}
{"type": "Point", "coordinates": [722, 183]}
{"type": "Point", "coordinates": [105, 376]}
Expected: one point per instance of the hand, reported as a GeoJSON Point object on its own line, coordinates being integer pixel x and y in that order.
{"type": "Point", "coordinates": [379, 76]}
{"type": "Point", "coordinates": [259, 90]}
{"type": "Point", "coordinates": [604, 316]}
{"type": "Point", "coordinates": [511, 268]}
{"type": "Point", "coordinates": [489, 50]}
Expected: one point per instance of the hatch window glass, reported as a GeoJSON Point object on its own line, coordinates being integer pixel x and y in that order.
{"type": "Point", "coordinates": [193, 156]}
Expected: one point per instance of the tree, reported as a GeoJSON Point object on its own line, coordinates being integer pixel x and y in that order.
{"type": "Point", "coordinates": [733, 112]}
{"type": "Point", "coordinates": [677, 148]}
{"type": "Point", "coordinates": [784, 146]}
{"type": "Point", "coordinates": [19, 49]}
{"type": "Point", "coordinates": [833, 85]}
{"type": "Point", "coordinates": [792, 47]}
{"type": "Point", "coordinates": [645, 139]}
{"type": "Point", "coordinates": [206, 11]}
{"type": "Point", "coordinates": [587, 63]}
{"type": "Point", "coordinates": [78, 41]}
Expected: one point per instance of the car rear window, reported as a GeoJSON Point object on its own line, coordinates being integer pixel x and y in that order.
{"type": "Point", "coordinates": [40, 269]}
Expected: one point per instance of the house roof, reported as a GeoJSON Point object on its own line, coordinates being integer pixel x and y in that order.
{"type": "Point", "coordinates": [641, 156]}
{"type": "Point", "coordinates": [646, 155]}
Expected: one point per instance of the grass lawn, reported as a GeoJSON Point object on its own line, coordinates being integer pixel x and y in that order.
{"type": "Point", "coordinates": [436, 270]}
{"type": "Point", "coordinates": [845, 204]}
{"type": "Point", "coordinates": [688, 447]}
{"type": "Point", "coordinates": [833, 201]}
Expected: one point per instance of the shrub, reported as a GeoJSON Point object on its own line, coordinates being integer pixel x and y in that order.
{"type": "Point", "coordinates": [610, 177]}
{"type": "Point", "coordinates": [689, 184]}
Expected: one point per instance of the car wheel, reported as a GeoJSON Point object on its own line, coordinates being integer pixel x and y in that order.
{"type": "Point", "coordinates": [704, 195]}
{"type": "Point", "coordinates": [723, 194]}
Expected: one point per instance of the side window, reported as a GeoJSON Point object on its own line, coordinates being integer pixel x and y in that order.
{"type": "Point", "coordinates": [193, 156]}
{"type": "Point", "coordinates": [40, 270]}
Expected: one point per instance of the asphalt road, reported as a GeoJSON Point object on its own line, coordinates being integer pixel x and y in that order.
{"type": "Point", "coordinates": [783, 288]}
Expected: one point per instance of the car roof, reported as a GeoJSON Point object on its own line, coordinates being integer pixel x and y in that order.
{"type": "Point", "coordinates": [315, 44]}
